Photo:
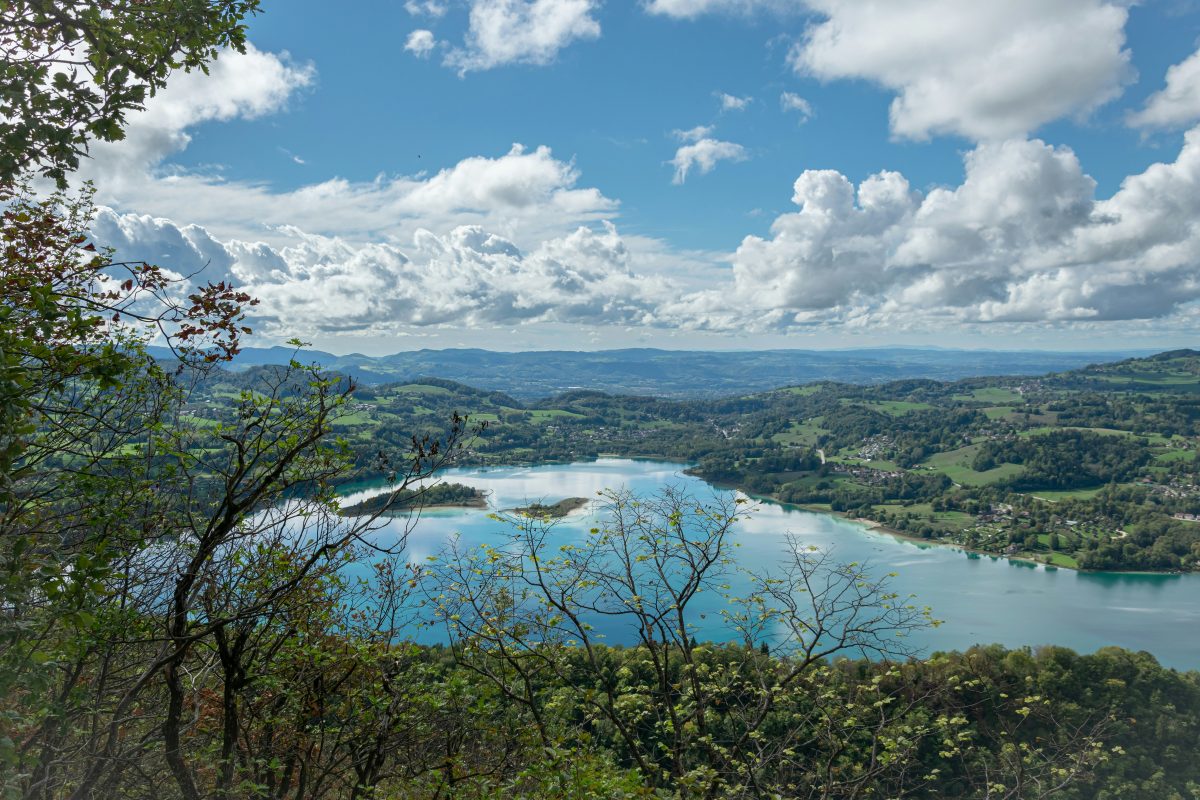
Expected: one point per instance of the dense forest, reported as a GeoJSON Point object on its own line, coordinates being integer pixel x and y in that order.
{"type": "Point", "coordinates": [186, 613]}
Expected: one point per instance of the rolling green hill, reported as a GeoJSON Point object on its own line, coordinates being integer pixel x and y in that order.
{"type": "Point", "coordinates": [1097, 467]}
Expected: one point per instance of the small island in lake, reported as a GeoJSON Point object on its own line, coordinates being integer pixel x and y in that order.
{"type": "Point", "coordinates": [439, 495]}
{"type": "Point", "coordinates": [555, 511]}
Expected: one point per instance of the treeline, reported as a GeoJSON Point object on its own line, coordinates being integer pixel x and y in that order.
{"type": "Point", "coordinates": [1153, 544]}
{"type": "Point", "coordinates": [1170, 415]}
{"type": "Point", "coordinates": [757, 468]}
{"type": "Point", "coordinates": [908, 487]}
{"type": "Point", "coordinates": [1065, 459]}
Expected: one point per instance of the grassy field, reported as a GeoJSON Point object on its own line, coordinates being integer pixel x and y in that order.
{"type": "Point", "coordinates": [1175, 454]}
{"type": "Point", "coordinates": [896, 408]}
{"type": "Point", "coordinates": [806, 433]}
{"type": "Point", "coordinates": [1073, 494]}
{"type": "Point", "coordinates": [956, 465]}
{"type": "Point", "coordinates": [1174, 380]}
{"type": "Point", "coordinates": [418, 388]}
{"type": "Point", "coordinates": [810, 480]}
{"type": "Point", "coordinates": [355, 418]}
{"type": "Point", "coordinates": [543, 414]}
{"type": "Point", "coordinates": [200, 422]}
{"type": "Point", "coordinates": [942, 521]}
{"type": "Point", "coordinates": [1151, 438]}
{"type": "Point", "coordinates": [1063, 560]}
{"type": "Point", "coordinates": [993, 394]}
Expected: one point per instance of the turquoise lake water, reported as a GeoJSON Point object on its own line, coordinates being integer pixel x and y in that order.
{"type": "Point", "coordinates": [979, 599]}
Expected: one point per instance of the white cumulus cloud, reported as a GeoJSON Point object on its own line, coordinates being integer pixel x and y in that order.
{"type": "Point", "coordinates": [1022, 240]}
{"type": "Point", "coordinates": [420, 43]}
{"type": "Point", "coordinates": [466, 277]}
{"type": "Point", "coordinates": [703, 155]}
{"type": "Point", "coordinates": [1177, 104]}
{"type": "Point", "coordinates": [504, 32]}
{"type": "Point", "coordinates": [525, 194]}
{"type": "Point", "coordinates": [515, 236]}
{"type": "Point", "coordinates": [981, 70]}
{"type": "Point", "coordinates": [239, 85]}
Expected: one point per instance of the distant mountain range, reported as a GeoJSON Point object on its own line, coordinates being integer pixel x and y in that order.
{"type": "Point", "coordinates": [679, 373]}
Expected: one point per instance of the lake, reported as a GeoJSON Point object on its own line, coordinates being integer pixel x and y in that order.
{"type": "Point", "coordinates": [979, 599]}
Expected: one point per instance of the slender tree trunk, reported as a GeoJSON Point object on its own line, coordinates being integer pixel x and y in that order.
{"type": "Point", "coordinates": [171, 736]}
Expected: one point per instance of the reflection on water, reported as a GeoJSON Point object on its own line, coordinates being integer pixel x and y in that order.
{"type": "Point", "coordinates": [980, 599]}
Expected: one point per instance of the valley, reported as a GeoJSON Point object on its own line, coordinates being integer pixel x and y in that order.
{"type": "Point", "coordinates": [1097, 468]}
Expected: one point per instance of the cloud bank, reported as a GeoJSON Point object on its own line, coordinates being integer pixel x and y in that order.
{"type": "Point", "coordinates": [516, 238]}
{"type": "Point", "coordinates": [1022, 240]}
{"type": "Point", "coordinates": [466, 277]}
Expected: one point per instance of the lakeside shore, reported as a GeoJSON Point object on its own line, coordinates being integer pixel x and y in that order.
{"type": "Point", "coordinates": [875, 525]}
{"type": "Point", "coordinates": [869, 524]}
{"type": "Point", "coordinates": [880, 527]}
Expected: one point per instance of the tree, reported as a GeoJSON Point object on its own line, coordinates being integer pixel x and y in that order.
{"type": "Point", "coordinates": [70, 70]}
{"type": "Point", "coordinates": [78, 395]}
{"type": "Point", "coordinates": [78, 398]}
{"type": "Point", "coordinates": [691, 717]}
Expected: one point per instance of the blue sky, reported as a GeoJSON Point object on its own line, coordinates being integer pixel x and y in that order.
{"type": "Point", "coordinates": [877, 172]}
